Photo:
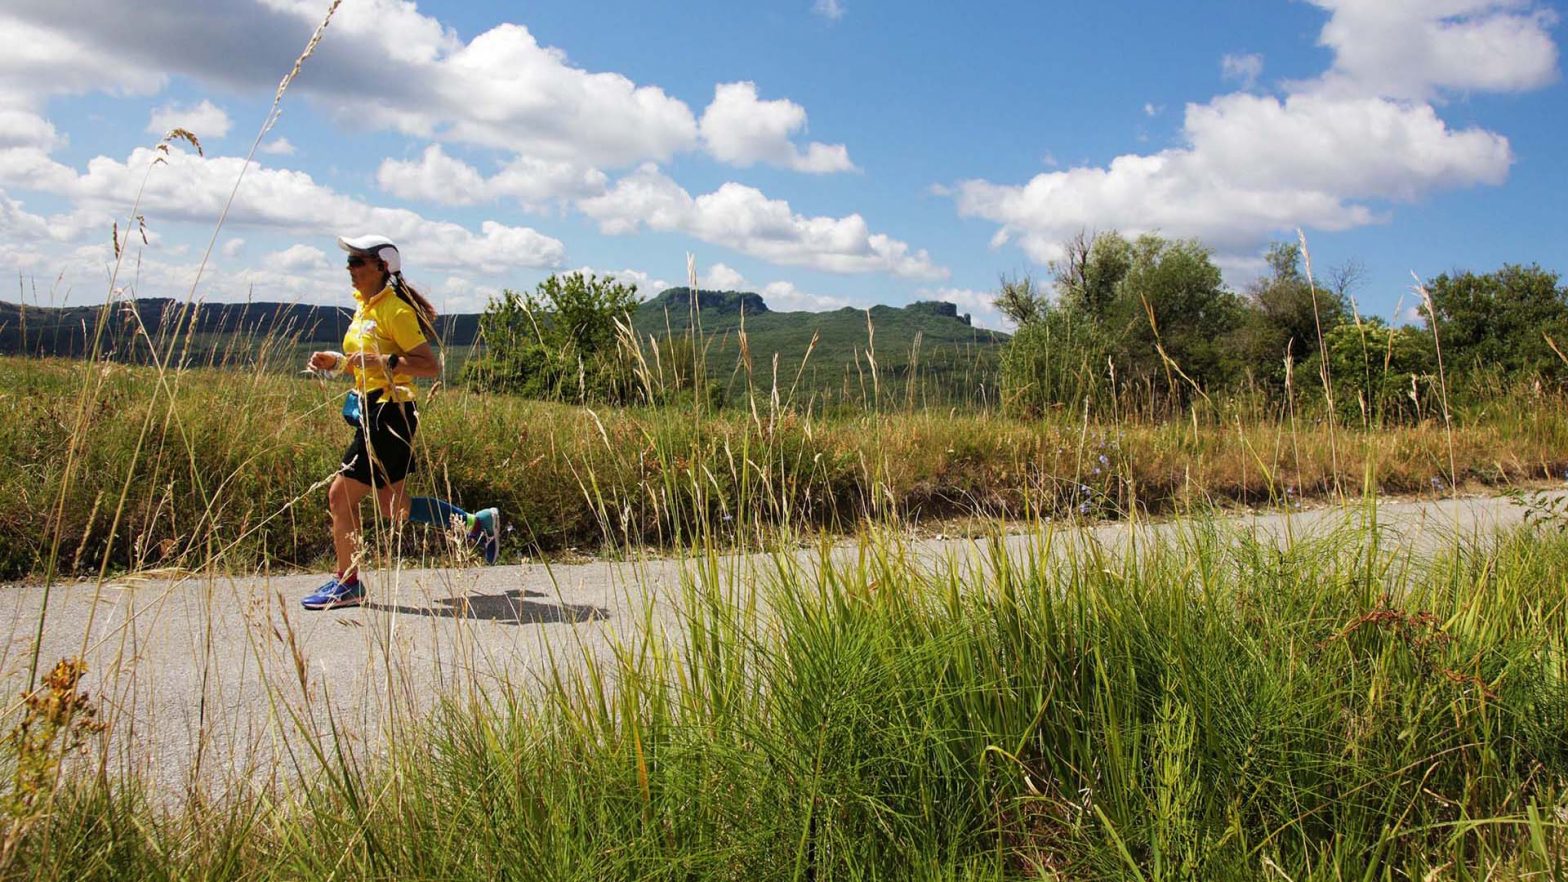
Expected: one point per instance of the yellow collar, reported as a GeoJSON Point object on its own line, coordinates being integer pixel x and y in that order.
{"type": "Point", "coordinates": [373, 300]}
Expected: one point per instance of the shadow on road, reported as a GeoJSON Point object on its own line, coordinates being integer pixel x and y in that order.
{"type": "Point", "coordinates": [515, 607]}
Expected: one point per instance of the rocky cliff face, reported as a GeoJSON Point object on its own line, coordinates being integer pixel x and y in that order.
{"type": "Point", "coordinates": [722, 302]}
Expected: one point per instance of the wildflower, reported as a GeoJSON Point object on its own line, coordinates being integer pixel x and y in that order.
{"type": "Point", "coordinates": [1083, 508]}
{"type": "Point", "coordinates": [1437, 483]}
{"type": "Point", "coordinates": [1096, 471]}
{"type": "Point", "coordinates": [1104, 460]}
{"type": "Point", "coordinates": [1083, 489]}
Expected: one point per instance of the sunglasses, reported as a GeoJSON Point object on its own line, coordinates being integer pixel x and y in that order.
{"type": "Point", "coordinates": [357, 262]}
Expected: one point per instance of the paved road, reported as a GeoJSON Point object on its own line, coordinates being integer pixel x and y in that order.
{"type": "Point", "coordinates": [215, 678]}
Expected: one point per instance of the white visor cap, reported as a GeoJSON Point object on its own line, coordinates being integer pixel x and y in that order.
{"type": "Point", "coordinates": [376, 246]}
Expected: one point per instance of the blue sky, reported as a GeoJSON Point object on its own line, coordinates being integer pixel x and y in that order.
{"type": "Point", "coordinates": [821, 152]}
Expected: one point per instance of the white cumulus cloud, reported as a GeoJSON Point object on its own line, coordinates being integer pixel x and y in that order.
{"type": "Point", "coordinates": [538, 183]}
{"type": "Point", "coordinates": [785, 297]}
{"type": "Point", "coordinates": [23, 128]}
{"type": "Point", "coordinates": [647, 284]}
{"type": "Point", "coordinates": [533, 183]}
{"type": "Point", "coordinates": [721, 277]}
{"type": "Point", "coordinates": [980, 305]}
{"type": "Point", "coordinates": [741, 129]}
{"type": "Point", "coordinates": [435, 177]}
{"type": "Point", "coordinates": [194, 189]}
{"type": "Point", "coordinates": [387, 65]}
{"type": "Point", "coordinates": [383, 62]}
{"type": "Point", "coordinates": [206, 120]}
{"type": "Point", "coordinates": [504, 90]}
{"type": "Point", "coordinates": [31, 168]}
{"type": "Point", "coordinates": [780, 296]}
{"type": "Point", "coordinates": [1415, 48]}
{"type": "Point", "coordinates": [19, 223]}
{"type": "Point", "coordinates": [297, 258]}
{"type": "Point", "coordinates": [1329, 154]}
{"type": "Point", "coordinates": [741, 217]}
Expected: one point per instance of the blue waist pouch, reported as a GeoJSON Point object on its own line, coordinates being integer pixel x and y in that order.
{"type": "Point", "coordinates": [351, 408]}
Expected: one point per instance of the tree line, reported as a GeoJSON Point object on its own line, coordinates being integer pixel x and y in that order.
{"type": "Point", "coordinates": [1142, 323]}
{"type": "Point", "coordinates": [1149, 321]}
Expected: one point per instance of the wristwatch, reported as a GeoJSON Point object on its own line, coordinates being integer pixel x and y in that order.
{"type": "Point", "coordinates": [392, 361]}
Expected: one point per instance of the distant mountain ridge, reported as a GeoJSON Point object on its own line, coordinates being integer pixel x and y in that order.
{"type": "Point", "coordinates": [69, 331]}
{"type": "Point", "coordinates": [717, 302]}
{"type": "Point", "coordinates": [752, 304]}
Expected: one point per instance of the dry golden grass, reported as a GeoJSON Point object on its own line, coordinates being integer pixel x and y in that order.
{"type": "Point", "coordinates": [235, 461]}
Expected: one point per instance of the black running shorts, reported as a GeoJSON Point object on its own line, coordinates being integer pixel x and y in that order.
{"type": "Point", "coordinates": [382, 452]}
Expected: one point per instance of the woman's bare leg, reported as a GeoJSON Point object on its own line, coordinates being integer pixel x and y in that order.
{"type": "Point", "coordinates": [343, 499]}
{"type": "Point", "coordinates": [393, 502]}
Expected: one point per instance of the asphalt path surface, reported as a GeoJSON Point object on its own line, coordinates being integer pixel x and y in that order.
{"type": "Point", "coordinates": [220, 682]}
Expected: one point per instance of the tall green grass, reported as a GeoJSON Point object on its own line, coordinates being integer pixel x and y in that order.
{"type": "Point", "coordinates": [1196, 704]}
{"type": "Point", "coordinates": [208, 467]}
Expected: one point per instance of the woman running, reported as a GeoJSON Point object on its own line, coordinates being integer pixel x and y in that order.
{"type": "Point", "coordinates": [386, 347]}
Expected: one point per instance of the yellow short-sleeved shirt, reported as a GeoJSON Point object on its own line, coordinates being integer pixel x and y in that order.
{"type": "Point", "coordinates": [383, 324]}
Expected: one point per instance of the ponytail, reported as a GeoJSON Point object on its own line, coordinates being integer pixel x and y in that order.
{"type": "Point", "coordinates": [424, 311]}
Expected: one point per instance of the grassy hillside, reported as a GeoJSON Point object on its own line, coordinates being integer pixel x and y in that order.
{"type": "Point", "coordinates": [217, 332]}
{"type": "Point", "coordinates": [925, 353]}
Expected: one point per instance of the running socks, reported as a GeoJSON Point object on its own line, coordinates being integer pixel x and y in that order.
{"type": "Point", "coordinates": [437, 513]}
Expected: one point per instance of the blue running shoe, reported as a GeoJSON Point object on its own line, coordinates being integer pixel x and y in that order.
{"type": "Point", "coordinates": [335, 594]}
{"type": "Point", "coordinates": [486, 533]}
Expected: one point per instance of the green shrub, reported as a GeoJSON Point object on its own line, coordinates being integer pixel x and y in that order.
{"type": "Point", "coordinates": [1057, 360]}
{"type": "Point", "coordinates": [558, 343]}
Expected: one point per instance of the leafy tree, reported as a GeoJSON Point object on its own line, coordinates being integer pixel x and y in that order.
{"type": "Point", "coordinates": [1173, 298]}
{"type": "Point", "coordinates": [1087, 277]}
{"type": "Point", "coordinates": [1158, 312]}
{"type": "Point", "coordinates": [1500, 321]}
{"type": "Point", "coordinates": [559, 342]}
{"type": "Point", "coordinates": [1286, 314]}
{"type": "Point", "coordinates": [1381, 374]}
{"type": "Point", "coordinates": [1121, 301]}
{"type": "Point", "coordinates": [1021, 301]}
